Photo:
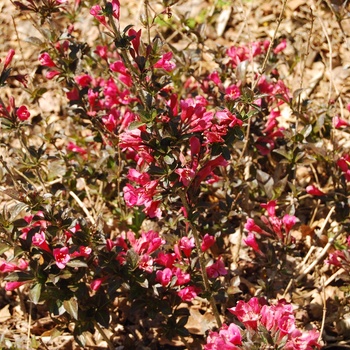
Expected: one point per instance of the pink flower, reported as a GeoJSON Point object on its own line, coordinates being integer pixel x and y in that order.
{"type": "Point", "coordinates": [61, 256]}
{"type": "Point", "coordinates": [14, 285]}
{"type": "Point", "coordinates": [76, 149]}
{"type": "Point", "coordinates": [214, 77]}
{"type": "Point", "coordinates": [250, 241]}
{"type": "Point", "coordinates": [46, 60]}
{"type": "Point", "coordinates": [186, 245]}
{"type": "Point", "coordinates": [165, 62]}
{"type": "Point", "coordinates": [188, 293]}
{"type": "Point", "coordinates": [39, 240]}
{"type": "Point", "coordinates": [207, 242]}
{"type": "Point", "coordinates": [146, 263]}
{"type": "Point", "coordinates": [8, 266]}
{"type": "Point", "coordinates": [280, 47]}
{"type": "Point", "coordinates": [227, 338]}
{"type": "Point", "coordinates": [73, 95]}
{"type": "Point", "coordinates": [166, 260]}
{"type": "Point", "coordinates": [181, 277]}
{"type": "Point", "coordinates": [101, 51]}
{"type": "Point", "coordinates": [344, 164]}
{"type": "Point", "coordinates": [96, 283]}
{"type": "Point", "coordinates": [96, 11]}
{"type": "Point", "coordinates": [216, 269]}
{"type": "Point", "coordinates": [185, 175]}
{"type": "Point", "coordinates": [289, 221]}
{"type": "Point", "coordinates": [248, 313]}
{"type": "Point", "coordinates": [83, 251]}
{"type": "Point", "coordinates": [51, 74]}
{"type": "Point", "coordinates": [270, 207]}
{"type": "Point", "coordinates": [314, 191]}
{"type": "Point", "coordinates": [116, 8]}
{"type": "Point", "coordinates": [22, 113]}
{"type": "Point", "coordinates": [339, 123]}
{"type": "Point", "coordinates": [9, 58]}
{"type": "Point", "coordinates": [83, 80]}
{"type": "Point", "coordinates": [164, 276]}
{"type": "Point", "coordinates": [140, 178]}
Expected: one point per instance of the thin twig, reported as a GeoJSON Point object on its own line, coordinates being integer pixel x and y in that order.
{"type": "Point", "coordinates": [82, 206]}
{"type": "Point", "coordinates": [324, 310]}
{"type": "Point", "coordinates": [201, 261]}
{"type": "Point", "coordinates": [319, 257]}
{"type": "Point", "coordinates": [334, 276]}
{"type": "Point", "coordinates": [29, 324]}
{"type": "Point", "coordinates": [263, 67]}
{"type": "Point", "coordinates": [324, 250]}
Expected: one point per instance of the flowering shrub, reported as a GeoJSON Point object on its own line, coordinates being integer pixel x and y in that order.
{"type": "Point", "coordinates": [132, 196]}
{"type": "Point", "coordinates": [265, 327]}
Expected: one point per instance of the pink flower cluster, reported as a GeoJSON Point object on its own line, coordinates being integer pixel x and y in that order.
{"type": "Point", "coordinates": [14, 113]}
{"type": "Point", "coordinates": [256, 316]}
{"type": "Point", "coordinates": [61, 254]}
{"type": "Point", "coordinates": [341, 258]}
{"type": "Point", "coordinates": [275, 226]}
{"type": "Point", "coordinates": [344, 165]}
{"type": "Point", "coordinates": [170, 268]}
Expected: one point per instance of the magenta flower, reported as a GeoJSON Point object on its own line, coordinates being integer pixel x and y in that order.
{"type": "Point", "coordinates": [61, 256]}
{"type": "Point", "coordinates": [280, 47]}
{"type": "Point", "coordinates": [188, 293]}
{"type": "Point", "coordinates": [45, 60]}
{"type": "Point", "coordinates": [227, 338]}
{"type": "Point", "coordinates": [165, 62]}
{"type": "Point", "coordinates": [83, 80]}
{"type": "Point", "coordinates": [14, 285]}
{"type": "Point", "coordinates": [9, 58]}
{"type": "Point", "coordinates": [186, 245]}
{"type": "Point", "coordinates": [251, 242]}
{"type": "Point", "coordinates": [207, 242]}
{"type": "Point", "coordinates": [289, 221]}
{"type": "Point", "coordinates": [96, 283]}
{"type": "Point", "coordinates": [314, 191]}
{"type": "Point", "coordinates": [339, 123]}
{"type": "Point", "coordinates": [185, 175]}
{"type": "Point", "coordinates": [181, 277]}
{"type": "Point", "coordinates": [248, 313]}
{"type": "Point", "coordinates": [270, 207]}
{"type": "Point", "coordinates": [216, 269]}
{"type": "Point", "coordinates": [164, 276]}
{"type": "Point", "coordinates": [75, 148]}
{"type": "Point", "coordinates": [51, 74]}
{"type": "Point", "coordinates": [96, 11]}
{"type": "Point", "coordinates": [39, 240]}
{"type": "Point", "coordinates": [11, 266]}
{"type": "Point", "coordinates": [22, 113]}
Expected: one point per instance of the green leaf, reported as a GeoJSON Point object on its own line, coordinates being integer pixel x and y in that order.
{"type": "Point", "coordinates": [135, 125]}
{"type": "Point", "coordinates": [19, 277]}
{"type": "Point", "coordinates": [4, 247]}
{"type": "Point", "coordinates": [168, 159]}
{"type": "Point", "coordinates": [15, 210]}
{"type": "Point", "coordinates": [35, 292]}
{"type": "Point", "coordinates": [71, 306]}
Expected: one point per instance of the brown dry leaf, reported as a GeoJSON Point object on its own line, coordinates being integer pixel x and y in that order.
{"type": "Point", "coordinates": [294, 4]}
{"type": "Point", "coordinates": [198, 323]}
{"type": "Point", "coordinates": [5, 313]}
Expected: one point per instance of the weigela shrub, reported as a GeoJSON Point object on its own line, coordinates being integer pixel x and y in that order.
{"type": "Point", "coordinates": [156, 144]}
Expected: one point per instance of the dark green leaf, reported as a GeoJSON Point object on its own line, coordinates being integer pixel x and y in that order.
{"type": "Point", "coordinates": [35, 292]}
{"type": "Point", "coordinates": [71, 306]}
